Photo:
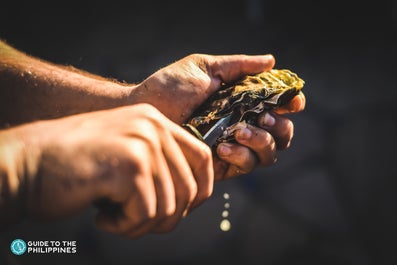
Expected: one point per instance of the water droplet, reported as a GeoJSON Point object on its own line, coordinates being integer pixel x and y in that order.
{"type": "Point", "coordinates": [225, 214]}
{"type": "Point", "coordinates": [226, 196]}
{"type": "Point", "coordinates": [227, 205]}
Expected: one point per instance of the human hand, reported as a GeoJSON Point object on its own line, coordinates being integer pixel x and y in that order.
{"type": "Point", "coordinates": [178, 89]}
{"type": "Point", "coordinates": [149, 167]}
{"type": "Point", "coordinates": [273, 132]}
{"type": "Point", "coordinates": [255, 146]}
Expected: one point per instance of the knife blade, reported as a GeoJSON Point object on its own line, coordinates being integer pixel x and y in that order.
{"type": "Point", "coordinates": [217, 130]}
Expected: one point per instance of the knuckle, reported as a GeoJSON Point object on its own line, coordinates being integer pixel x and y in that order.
{"type": "Point", "coordinates": [266, 140]}
{"type": "Point", "coordinates": [149, 109]}
{"type": "Point", "coordinates": [147, 215]}
{"type": "Point", "coordinates": [204, 194]}
{"type": "Point", "coordinates": [199, 59]}
{"type": "Point", "coordinates": [191, 191]}
{"type": "Point", "coordinates": [167, 211]}
{"type": "Point", "coordinates": [135, 160]}
{"type": "Point", "coordinates": [187, 191]}
{"type": "Point", "coordinates": [244, 159]}
{"type": "Point", "coordinates": [141, 213]}
{"type": "Point", "coordinates": [286, 129]}
{"type": "Point", "coordinates": [285, 140]}
{"type": "Point", "coordinates": [195, 56]}
{"type": "Point", "coordinates": [152, 117]}
{"type": "Point", "coordinates": [244, 155]}
{"type": "Point", "coordinates": [148, 125]}
{"type": "Point", "coordinates": [205, 156]}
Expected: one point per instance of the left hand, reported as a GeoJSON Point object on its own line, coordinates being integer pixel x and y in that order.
{"type": "Point", "coordinates": [178, 89]}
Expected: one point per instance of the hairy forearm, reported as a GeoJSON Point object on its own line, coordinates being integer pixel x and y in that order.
{"type": "Point", "coordinates": [33, 89]}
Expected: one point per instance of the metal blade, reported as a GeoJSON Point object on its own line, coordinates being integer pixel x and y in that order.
{"type": "Point", "coordinates": [216, 130]}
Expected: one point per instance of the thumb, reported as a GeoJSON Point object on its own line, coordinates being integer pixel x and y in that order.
{"type": "Point", "coordinates": [228, 68]}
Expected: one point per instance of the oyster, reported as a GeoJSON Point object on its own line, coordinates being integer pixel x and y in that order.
{"type": "Point", "coordinates": [244, 101]}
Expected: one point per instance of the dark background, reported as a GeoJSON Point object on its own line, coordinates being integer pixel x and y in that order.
{"type": "Point", "coordinates": [331, 197]}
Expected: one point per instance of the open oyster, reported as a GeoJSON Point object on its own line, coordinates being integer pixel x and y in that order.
{"type": "Point", "coordinates": [243, 101]}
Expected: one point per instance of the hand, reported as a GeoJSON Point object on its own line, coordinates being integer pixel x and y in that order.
{"type": "Point", "coordinates": [153, 170]}
{"type": "Point", "coordinates": [256, 146]}
{"type": "Point", "coordinates": [273, 132]}
{"type": "Point", "coordinates": [178, 89]}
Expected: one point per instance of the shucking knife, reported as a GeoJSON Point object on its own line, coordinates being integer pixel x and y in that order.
{"type": "Point", "coordinates": [217, 130]}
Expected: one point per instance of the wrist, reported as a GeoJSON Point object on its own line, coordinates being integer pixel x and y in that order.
{"type": "Point", "coordinates": [127, 94]}
{"type": "Point", "coordinates": [166, 101]}
{"type": "Point", "coordinates": [108, 94]}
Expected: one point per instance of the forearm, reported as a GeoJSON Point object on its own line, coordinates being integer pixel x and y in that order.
{"type": "Point", "coordinates": [32, 89]}
{"type": "Point", "coordinates": [31, 176]}
{"type": "Point", "coordinates": [13, 177]}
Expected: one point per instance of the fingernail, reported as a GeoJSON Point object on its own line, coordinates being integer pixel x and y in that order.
{"type": "Point", "coordinates": [268, 120]}
{"type": "Point", "coordinates": [244, 134]}
{"type": "Point", "coordinates": [224, 149]}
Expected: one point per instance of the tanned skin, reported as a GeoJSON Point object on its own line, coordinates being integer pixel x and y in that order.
{"type": "Point", "coordinates": [70, 138]}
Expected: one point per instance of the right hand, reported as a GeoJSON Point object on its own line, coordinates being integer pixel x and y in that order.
{"type": "Point", "coordinates": [135, 157]}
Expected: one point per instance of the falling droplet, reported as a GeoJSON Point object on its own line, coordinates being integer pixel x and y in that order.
{"type": "Point", "coordinates": [225, 225]}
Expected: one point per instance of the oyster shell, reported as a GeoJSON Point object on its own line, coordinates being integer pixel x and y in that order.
{"type": "Point", "coordinates": [245, 100]}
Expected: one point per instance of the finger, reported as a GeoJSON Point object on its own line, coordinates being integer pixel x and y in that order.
{"type": "Point", "coordinates": [140, 206]}
{"type": "Point", "coordinates": [296, 104]}
{"type": "Point", "coordinates": [280, 127]}
{"type": "Point", "coordinates": [228, 68]}
{"type": "Point", "coordinates": [225, 170]}
{"type": "Point", "coordinates": [165, 193]}
{"type": "Point", "coordinates": [184, 182]}
{"type": "Point", "coordinates": [133, 213]}
{"type": "Point", "coordinates": [240, 157]}
{"type": "Point", "coordinates": [220, 168]}
{"type": "Point", "coordinates": [199, 157]}
{"type": "Point", "coordinates": [260, 141]}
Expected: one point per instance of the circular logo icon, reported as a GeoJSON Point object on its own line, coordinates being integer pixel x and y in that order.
{"type": "Point", "coordinates": [18, 247]}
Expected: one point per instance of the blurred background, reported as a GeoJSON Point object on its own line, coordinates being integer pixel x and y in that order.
{"type": "Point", "coordinates": [331, 197]}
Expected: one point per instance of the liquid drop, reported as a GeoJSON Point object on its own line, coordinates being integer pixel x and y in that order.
{"type": "Point", "coordinates": [225, 214]}
{"type": "Point", "coordinates": [225, 224]}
